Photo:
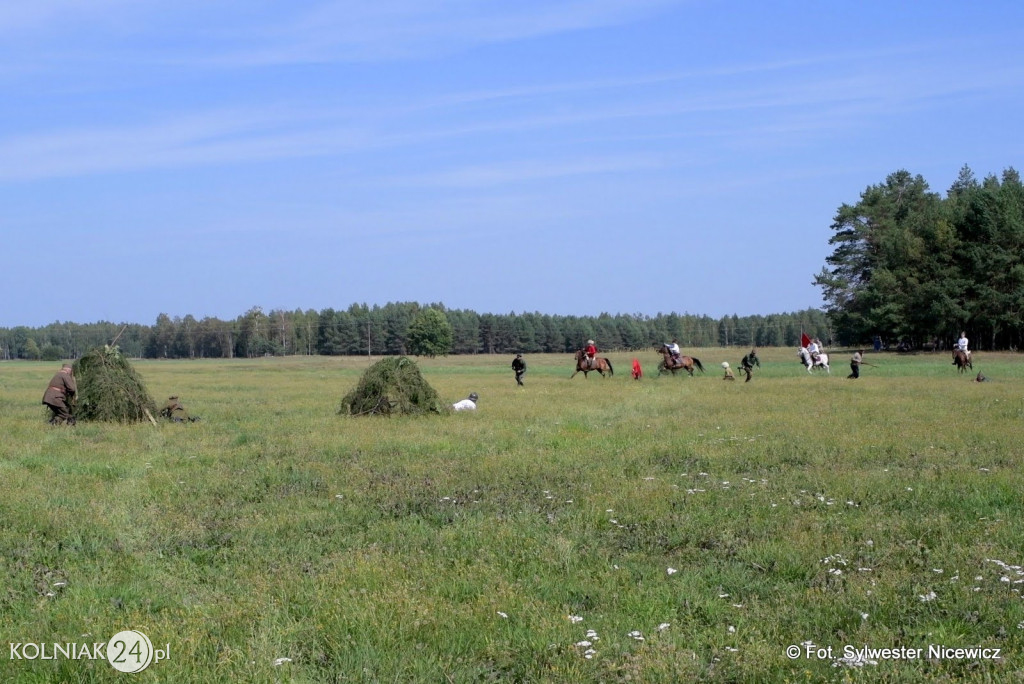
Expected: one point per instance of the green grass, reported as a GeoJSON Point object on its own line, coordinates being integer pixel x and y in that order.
{"type": "Point", "coordinates": [375, 549]}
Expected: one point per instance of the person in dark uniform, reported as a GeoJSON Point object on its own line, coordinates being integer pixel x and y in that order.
{"type": "Point", "coordinates": [748, 362]}
{"type": "Point", "coordinates": [519, 366]}
{"type": "Point", "coordinates": [176, 411]}
{"type": "Point", "coordinates": [59, 395]}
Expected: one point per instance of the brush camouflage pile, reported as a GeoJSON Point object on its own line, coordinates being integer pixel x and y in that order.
{"type": "Point", "coordinates": [390, 386]}
{"type": "Point", "coordinates": [109, 389]}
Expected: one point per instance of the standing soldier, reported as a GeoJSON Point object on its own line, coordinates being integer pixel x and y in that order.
{"type": "Point", "coordinates": [748, 362]}
{"type": "Point", "coordinates": [519, 366]}
{"type": "Point", "coordinates": [858, 358]}
{"type": "Point", "coordinates": [59, 395]}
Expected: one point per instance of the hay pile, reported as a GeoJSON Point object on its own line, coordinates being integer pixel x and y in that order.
{"type": "Point", "coordinates": [393, 385]}
{"type": "Point", "coordinates": [109, 389]}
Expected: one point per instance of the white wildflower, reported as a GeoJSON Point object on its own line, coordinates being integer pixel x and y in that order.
{"type": "Point", "coordinates": [930, 596]}
{"type": "Point", "coordinates": [575, 618]}
{"type": "Point", "coordinates": [671, 571]}
{"type": "Point", "coordinates": [504, 615]}
{"type": "Point", "coordinates": [665, 625]}
{"type": "Point", "coordinates": [281, 661]}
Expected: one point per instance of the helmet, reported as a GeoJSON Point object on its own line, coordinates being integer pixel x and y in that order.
{"type": "Point", "coordinates": [473, 396]}
{"type": "Point", "coordinates": [725, 364]}
{"type": "Point", "coordinates": [590, 341]}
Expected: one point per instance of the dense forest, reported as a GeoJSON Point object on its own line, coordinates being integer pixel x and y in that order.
{"type": "Point", "coordinates": [912, 266]}
{"type": "Point", "coordinates": [379, 330]}
{"type": "Point", "coordinates": [908, 267]}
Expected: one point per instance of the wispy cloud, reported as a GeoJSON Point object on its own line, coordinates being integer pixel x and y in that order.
{"type": "Point", "coordinates": [790, 98]}
{"type": "Point", "coordinates": [257, 33]}
{"type": "Point", "coordinates": [397, 29]}
{"type": "Point", "coordinates": [528, 171]}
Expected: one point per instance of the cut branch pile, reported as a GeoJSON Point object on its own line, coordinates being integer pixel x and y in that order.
{"type": "Point", "coordinates": [392, 386]}
{"type": "Point", "coordinates": [109, 389]}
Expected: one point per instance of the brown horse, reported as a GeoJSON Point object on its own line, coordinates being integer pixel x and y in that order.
{"type": "Point", "coordinates": [686, 363]}
{"type": "Point", "coordinates": [962, 361]}
{"type": "Point", "coordinates": [601, 365]}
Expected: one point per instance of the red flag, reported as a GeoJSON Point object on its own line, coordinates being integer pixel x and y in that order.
{"type": "Point", "coordinates": [805, 341]}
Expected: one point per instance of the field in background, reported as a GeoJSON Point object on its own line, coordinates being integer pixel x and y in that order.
{"type": "Point", "coordinates": [698, 527]}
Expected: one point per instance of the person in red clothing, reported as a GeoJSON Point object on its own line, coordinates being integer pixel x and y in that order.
{"type": "Point", "coordinates": [591, 352]}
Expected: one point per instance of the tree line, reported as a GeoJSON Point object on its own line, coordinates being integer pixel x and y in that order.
{"type": "Point", "coordinates": [916, 268]}
{"type": "Point", "coordinates": [402, 328]}
{"type": "Point", "coordinates": [908, 267]}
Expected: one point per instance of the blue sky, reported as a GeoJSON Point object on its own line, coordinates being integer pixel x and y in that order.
{"type": "Point", "coordinates": [561, 156]}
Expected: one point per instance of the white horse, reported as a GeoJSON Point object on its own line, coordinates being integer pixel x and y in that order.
{"type": "Point", "coordinates": [822, 361]}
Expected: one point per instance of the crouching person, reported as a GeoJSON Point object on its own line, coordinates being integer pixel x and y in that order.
{"type": "Point", "coordinates": [176, 411]}
{"type": "Point", "coordinates": [60, 394]}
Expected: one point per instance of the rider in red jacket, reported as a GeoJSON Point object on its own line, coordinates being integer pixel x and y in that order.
{"type": "Point", "coordinates": [591, 352]}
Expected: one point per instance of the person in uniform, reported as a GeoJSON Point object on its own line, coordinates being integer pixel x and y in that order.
{"type": "Point", "coordinates": [748, 362]}
{"type": "Point", "coordinates": [60, 394]}
{"type": "Point", "coordinates": [175, 411]}
{"type": "Point", "coordinates": [519, 366]}
{"type": "Point", "coordinates": [728, 371]}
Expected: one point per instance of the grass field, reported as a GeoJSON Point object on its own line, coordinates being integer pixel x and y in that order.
{"type": "Point", "coordinates": [673, 529]}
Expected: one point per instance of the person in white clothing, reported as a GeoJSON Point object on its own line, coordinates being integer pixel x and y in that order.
{"type": "Point", "coordinates": [673, 348]}
{"type": "Point", "coordinates": [961, 345]}
{"type": "Point", "coordinates": [468, 404]}
{"type": "Point", "coordinates": [813, 348]}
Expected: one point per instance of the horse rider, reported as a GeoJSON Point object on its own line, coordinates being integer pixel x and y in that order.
{"type": "Point", "coordinates": [673, 349]}
{"type": "Point", "coordinates": [591, 352]}
{"type": "Point", "coordinates": [961, 345]}
{"type": "Point", "coordinates": [814, 349]}
{"type": "Point", "coordinates": [748, 362]}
